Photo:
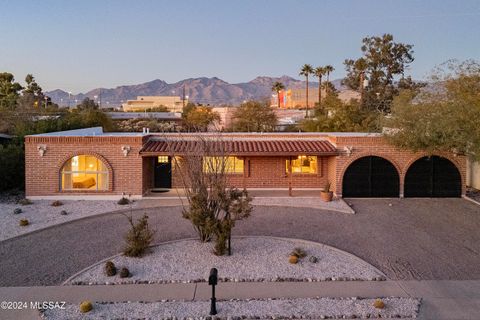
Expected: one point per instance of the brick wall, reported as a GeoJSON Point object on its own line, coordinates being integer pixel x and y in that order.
{"type": "Point", "coordinates": [270, 172]}
{"type": "Point", "coordinates": [42, 173]}
{"type": "Point", "coordinates": [378, 146]}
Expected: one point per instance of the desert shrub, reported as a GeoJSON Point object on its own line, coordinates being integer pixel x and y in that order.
{"type": "Point", "coordinates": [110, 269]}
{"type": "Point", "coordinates": [123, 201]}
{"type": "Point", "coordinates": [293, 259]}
{"type": "Point", "coordinates": [139, 237]}
{"type": "Point", "coordinates": [63, 213]}
{"type": "Point", "coordinates": [379, 304]}
{"type": "Point", "coordinates": [17, 211]}
{"type": "Point", "coordinates": [299, 253]}
{"type": "Point", "coordinates": [24, 202]}
{"type": "Point", "coordinates": [85, 306]}
{"type": "Point", "coordinates": [313, 259]}
{"type": "Point", "coordinates": [124, 273]}
{"type": "Point", "coordinates": [24, 222]}
{"type": "Point", "coordinates": [57, 203]}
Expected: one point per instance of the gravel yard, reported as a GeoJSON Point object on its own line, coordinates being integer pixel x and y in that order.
{"type": "Point", "coordinates": [253, 259]}
{"type": "Point", "coordinates": [315, 308]}
{"type": "Point", "coordinates": [41, 214]}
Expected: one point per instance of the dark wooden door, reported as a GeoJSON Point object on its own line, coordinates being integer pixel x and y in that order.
{"type": "Point", "coordinates": [163, 172]}
{"type": "Point", "coordinates": [371, 177]}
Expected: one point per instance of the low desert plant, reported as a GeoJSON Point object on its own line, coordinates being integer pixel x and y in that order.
{"type": "Point", "coordinates": [313, 259]}
{"type": "Point", "coordinates": [139, 237]}
{"type": "Point", "coordinates": [379, 304]}
{"type": "Point", "coordinates": [17, 210]}
{"type": "Point", "coordinates": [24, 202]}
{"type": "Point", "coordinates": [299, 253]}
{"type": "Point", "coordinates": [85, 306]}
{"type": "Point", "coordinates": [24, 222]}
{"type": "Point", "coordinates": [110, 269]}
{"type": "Point", "coordinates": [63, 213]}
{"type": "Point", "coordinates": [57, 203]}
{"type": "Point", "coordinates": [124, 273]}
{"type": "Point", "coordinates": [123, 201]}
{"type": "Point", "coordinates": [293, 259]}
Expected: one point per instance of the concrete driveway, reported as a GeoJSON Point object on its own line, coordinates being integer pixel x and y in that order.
{"type": "Point", "coordinates": [405, 238]}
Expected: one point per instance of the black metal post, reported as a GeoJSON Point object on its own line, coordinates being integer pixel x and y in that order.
{"type": "Point", "coordinates": [213, 280]}
{"type": "Point", "coordinates": [213, 302]}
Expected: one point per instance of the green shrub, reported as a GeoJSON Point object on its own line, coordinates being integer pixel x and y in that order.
{"type": "Point", "coordinates": [12, 168]}
{"type": "Point", "coordinates": [57, 203]}
{"type": "Point", "coordinates": [123, 201]}
{"type": "Point", "coordinates": [86, 306]}
{"type": "Point", "coordinates": [17, 211]}
{"type": "Point", "coordinates": [299, 252]}
{"type": "Point", "coordinates": [24, 222]}
{"type": "Point", "coordinates": [124, 273]}
{"type": "Point", "coordinates": [110, 269]}
{"type": "Point", "coordinates": [138, 238]}
{"type": "Point", "coordinates": [24, 202]}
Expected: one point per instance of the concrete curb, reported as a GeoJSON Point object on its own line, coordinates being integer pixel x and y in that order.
{"type": "Point", "coordinates": [471, 200]}
{"type": "Point", "coordinates": [348, 254]}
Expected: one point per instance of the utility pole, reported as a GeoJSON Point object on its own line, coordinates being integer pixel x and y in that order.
{"type": "Point", "coordinates": [362, 79]}
{"type": "Point", "coordinates": [183, 97]}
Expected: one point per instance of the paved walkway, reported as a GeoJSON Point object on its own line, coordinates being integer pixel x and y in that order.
{"type": "Point", "coordinates": [441, 300]}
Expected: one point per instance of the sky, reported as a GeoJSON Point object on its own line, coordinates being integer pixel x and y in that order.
{"type": "Point", "coordinates": [80, 45]}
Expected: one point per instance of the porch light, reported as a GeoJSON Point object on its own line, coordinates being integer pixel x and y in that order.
{"type": "Point", "coordinates": [126, 150]}
{"type": "Point", "coordinates": [348, 150]}
{"type": "Point", "coordinates": [42, 148]}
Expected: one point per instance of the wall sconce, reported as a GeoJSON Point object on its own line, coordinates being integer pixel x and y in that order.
{"type": "Point", "coordinates": [348, 150]}
{"type": "Point", "coordinates": [126, 150]}
{"type": "Point", "coordinates": [42, 148]}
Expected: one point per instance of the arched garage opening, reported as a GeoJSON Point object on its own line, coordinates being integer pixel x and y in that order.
{"type": "Point", "coordinates": [433, 177]}
{"type": "Point", "coordinates": [371, 176]}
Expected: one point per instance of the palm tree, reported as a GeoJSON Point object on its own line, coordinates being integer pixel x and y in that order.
{"type": "Point", "coordinates": [319, 72]}
{"type": "Point", "coordinates": [306, 71]}
{"type": "Point", "coordinates": [328, 69]}
{"type": "Point", "coordinates": [277, 87]}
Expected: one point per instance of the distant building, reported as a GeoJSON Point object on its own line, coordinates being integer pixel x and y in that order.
{"type": "Point", "coordinates": [173, 103]}
{"type": "Point", "coordinates": [296, 98]}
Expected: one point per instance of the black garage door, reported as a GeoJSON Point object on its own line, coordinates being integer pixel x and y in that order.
{"type": "Point", "coordinates": [371, 177]}
{"type": "Point", "coordinates": [433, 177]}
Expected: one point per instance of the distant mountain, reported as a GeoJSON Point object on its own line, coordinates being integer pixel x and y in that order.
{"type": "Point", "coordinates": [213, 91]}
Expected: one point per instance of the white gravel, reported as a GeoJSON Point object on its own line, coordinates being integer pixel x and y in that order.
{"type": "Point", "coordinates": [315, 308]}
{"type": "Point", "coordinates": [41, 214]}
{"type": "Point", "coordinates": [304, 202]}
{"type": "Point", "coordinates": [253, 259]}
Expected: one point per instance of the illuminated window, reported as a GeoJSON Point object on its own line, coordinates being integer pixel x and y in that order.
{"type": "Point", "coordinates": [84, 172]}
{"type": "Point", "coordinates": [216, 164]}
{"type": "Point", "coordinates": [163, 159]}
{"type": "Point", "coordinates": [303, 164]}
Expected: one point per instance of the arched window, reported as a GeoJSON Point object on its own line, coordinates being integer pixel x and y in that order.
{"type": "Point", "coordinates": [84, 172]}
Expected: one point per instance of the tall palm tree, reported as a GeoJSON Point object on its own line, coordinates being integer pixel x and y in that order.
{"type": "Point", "coordinates": [277, 87]}
{"type": "Point", "coordinates": [328, 69]}
{"type": "Point", "coordinates": [319, 72]}
{"type": "Point", "coordinates": [306, 71]}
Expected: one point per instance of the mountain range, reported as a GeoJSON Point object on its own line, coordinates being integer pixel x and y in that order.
{"type": "Point", "coordinates": [213, 91]}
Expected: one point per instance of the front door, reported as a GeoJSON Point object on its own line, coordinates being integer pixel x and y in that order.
{"type": "Point", "coordinates": [163, 172]}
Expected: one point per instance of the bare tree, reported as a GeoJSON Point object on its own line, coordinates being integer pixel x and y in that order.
{"type": "Point", "coordinates": [213, 205]}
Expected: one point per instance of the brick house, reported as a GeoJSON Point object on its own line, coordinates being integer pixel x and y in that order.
{"type": "Point", "coordinates": [88, 163]}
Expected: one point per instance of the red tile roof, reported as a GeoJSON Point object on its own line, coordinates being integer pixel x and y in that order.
{"type": "Point", "coordinates": [272, 147]}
